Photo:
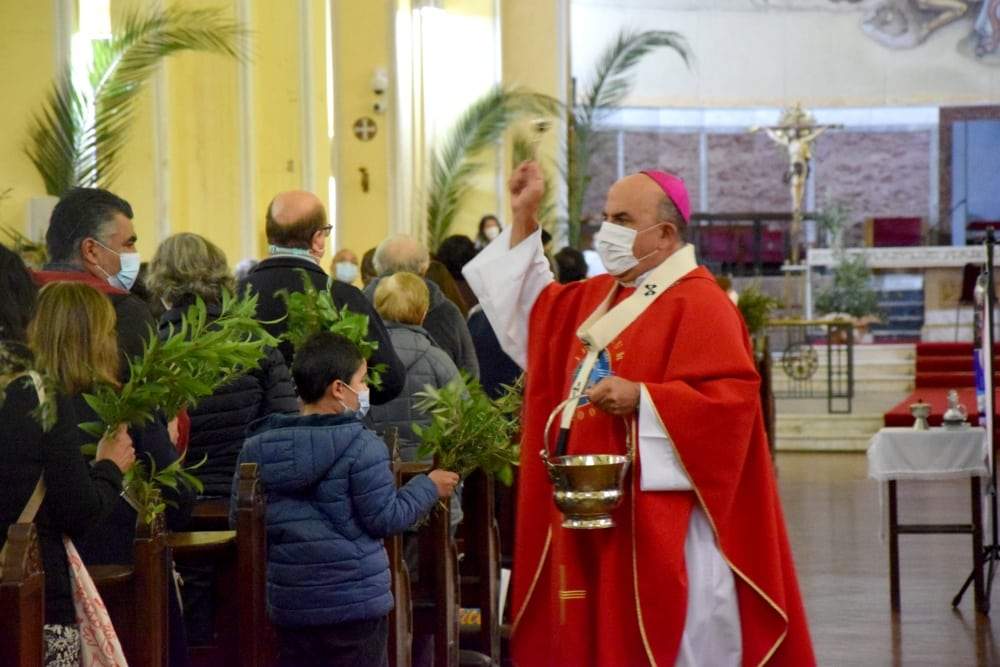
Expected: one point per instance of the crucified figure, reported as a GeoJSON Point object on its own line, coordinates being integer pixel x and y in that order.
{"type": "Point", "coordinates": [796, 130]}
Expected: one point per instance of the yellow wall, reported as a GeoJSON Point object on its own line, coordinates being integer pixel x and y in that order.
{"type": "Point", "coordinates": [196, 110]}
{"type": "Point", "coordinates": [535, 57]}
{"type": "Point", "coordinates": [27, 65]}
{"type": "Point", "coordinates": [203, 153]}
{"type": "Point", "coordinates": [360, 45]}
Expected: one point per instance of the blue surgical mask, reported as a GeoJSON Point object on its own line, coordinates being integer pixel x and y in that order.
{"type": "Point", "coordinates": [347, 272]}
{"type": "Point", "coordinates": [364, 403]}
{"type": "Point", "coordinates": [129, 271]}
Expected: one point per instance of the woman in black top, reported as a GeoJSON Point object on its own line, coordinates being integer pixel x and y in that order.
{"type": "Point", "coordinates": [78, 496]}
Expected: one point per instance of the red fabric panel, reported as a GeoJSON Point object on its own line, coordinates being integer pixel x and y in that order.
{"type": "Point", "coordinates": [935, 364]}
{"type": "Point", "coordinates": [896, 232]}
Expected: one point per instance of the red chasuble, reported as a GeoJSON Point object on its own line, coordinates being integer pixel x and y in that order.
{"type": "Point", "coordinates": [618, 596]}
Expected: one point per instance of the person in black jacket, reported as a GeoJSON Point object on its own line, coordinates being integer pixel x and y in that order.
{"type": "Point", "coordinates": [187, 266]}
{"type": "Point", "coordinates": [184, 267]}
{"type": "Point", "coordinates": [297, 230]}
{"type": "Point", "coordinates": [77, 496]}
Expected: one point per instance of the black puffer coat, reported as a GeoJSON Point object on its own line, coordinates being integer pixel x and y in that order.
{"type": "Point", "coordinates": [219, 421]}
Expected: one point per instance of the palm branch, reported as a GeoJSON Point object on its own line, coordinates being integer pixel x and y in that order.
{"type": "Point", "coordinates": [77, 137]}
{"type": "Point", "coordinates": [455, 162]}
{"type": "Point", "coordinates": [524, 148]}
{"type": "Point", "coordinates": [610, 85]}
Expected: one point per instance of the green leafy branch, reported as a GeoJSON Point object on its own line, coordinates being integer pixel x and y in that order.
{"type": "Point", "coordinates": [17, 367]}
{"type": "Point", "coordinates": [468, 430]}
{"type": "Point", "coordinates": [143, 486]}
{"type": "Point", "coordinates": [77, 137]}
{"type": "Point", "coordinates": [311, 311]}
{"type": "Point", "coordinates": [32, 253]}
{"type": "Point", "coordinates": [604, 92]}
{"type": "Point", "coordinates": [197, 358]}
{"type": "Point", "coordinates": [457, 156]}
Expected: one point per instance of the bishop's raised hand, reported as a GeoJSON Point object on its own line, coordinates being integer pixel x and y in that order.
{"type": "Point", "coordinates": [526, 189]}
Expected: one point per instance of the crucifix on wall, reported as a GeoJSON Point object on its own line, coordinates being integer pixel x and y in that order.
{"type": "Point", "coordinates": [796, 130]}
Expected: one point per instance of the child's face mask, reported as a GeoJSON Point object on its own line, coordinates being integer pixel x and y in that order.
{"type": "Point", "coordinates": [364, 403]}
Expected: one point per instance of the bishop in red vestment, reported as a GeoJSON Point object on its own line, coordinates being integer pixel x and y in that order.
{"type": "Point", "coordinates": [684, 366]}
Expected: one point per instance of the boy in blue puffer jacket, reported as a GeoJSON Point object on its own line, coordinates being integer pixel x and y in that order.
{"type": "Point", "coordinates": [331, 498]}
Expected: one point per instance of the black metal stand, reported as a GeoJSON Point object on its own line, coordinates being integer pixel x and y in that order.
{"type": "Point", "coordinates": [991, 551]}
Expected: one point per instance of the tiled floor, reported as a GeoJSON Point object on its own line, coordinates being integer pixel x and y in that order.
{"type": "Point", "coordinates": [832, 511]}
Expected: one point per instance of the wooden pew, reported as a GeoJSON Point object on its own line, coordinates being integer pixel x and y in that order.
{"type": "Point", "coordinates": [22, 599]}
{"type": "Point", "coordinates": [217, 552]}
{"type": "Point", "coordinates": [136, 597]}
{"type": "Point", "coordinates": [436, 593]}
{"type": "Point", "coordinates": [258, 644]}
{"type": "Point", "coordinates": [238, 558]}
{"type": "Point", "coordinates": [401, 617]}
{"type": "Point", "coordinates": [480, 565]}
{"type": "Point", "coordinates": [209, 514]}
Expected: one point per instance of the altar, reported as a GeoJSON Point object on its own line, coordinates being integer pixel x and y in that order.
{"type": "Point", "coordinates": [935, 271]}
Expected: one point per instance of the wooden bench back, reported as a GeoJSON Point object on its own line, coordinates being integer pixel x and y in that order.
{"type": "Point", "coordinates": [22, 599]}
{"type": "Point", "coordinates": [136, 596]}
{"type": "Point", "coordinates": [401, 616]}
{"type": "Point", "coordinates": [256, 639]}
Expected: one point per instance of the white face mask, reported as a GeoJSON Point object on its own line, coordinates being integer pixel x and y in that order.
{"type": "Point", "coordinates": [129, 271]}
{"type": "Point", "coordinates": [364, 403]}
{"type": "Point", "coordinates": [491, 233]}
{"type": "Point", "coordinates": [614, 244]}
{"type": "Point", "coordinates": [347, 272]}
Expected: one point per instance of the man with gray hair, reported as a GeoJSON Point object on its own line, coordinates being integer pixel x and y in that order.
{"type": "Point", "coordinates": [91, 239]}
{"type": "Point", "coordinates": [444, 320]}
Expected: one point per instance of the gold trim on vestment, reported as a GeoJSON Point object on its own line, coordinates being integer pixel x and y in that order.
{"type": "Point", "coordinates": [534, 580]}
{"type": "Point", "coordinates": [718, 542]}
{"type": "Point", "coordinates": [635, 580]}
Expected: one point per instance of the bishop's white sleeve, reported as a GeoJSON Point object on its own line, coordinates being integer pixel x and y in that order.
{"type": "Point", "coordinates": [661, 471]}
{"type": "Point", "coordinates": [507, 282]}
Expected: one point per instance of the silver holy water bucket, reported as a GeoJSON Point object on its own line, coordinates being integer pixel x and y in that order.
{"type": "Point", "coordinates": [588, 487]}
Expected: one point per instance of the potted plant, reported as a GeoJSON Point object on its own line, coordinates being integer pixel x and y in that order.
{"type": "Point", "coordinates": [850, 296]}
{"type": "Point", "coordinates": [756, 308]}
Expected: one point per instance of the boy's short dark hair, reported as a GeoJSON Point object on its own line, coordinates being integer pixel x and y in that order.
{"type": "Point", "coordinates": [321, 359]}
{"type": "Point", "coordinates": [80, 214]}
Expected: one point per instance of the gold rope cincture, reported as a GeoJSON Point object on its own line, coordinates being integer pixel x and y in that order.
{"type": "Point", "coordinates": [602, 326]}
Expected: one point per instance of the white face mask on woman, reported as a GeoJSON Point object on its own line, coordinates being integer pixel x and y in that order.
{"type": "Point", "coordinates": [614, 243]}
{"type": "Point", "coordinates": [491, 233]}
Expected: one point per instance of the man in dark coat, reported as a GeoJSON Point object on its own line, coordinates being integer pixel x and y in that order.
{"type": "Point", "coordinates": [297, 231]}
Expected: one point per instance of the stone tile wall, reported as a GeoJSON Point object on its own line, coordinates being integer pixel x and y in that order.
{"type": "Point", "coordinates": [745, 174]}
{"type": "Point", "coordinates": [874, 173]}
{"type": "Point", "coordinates": [877, 174]}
